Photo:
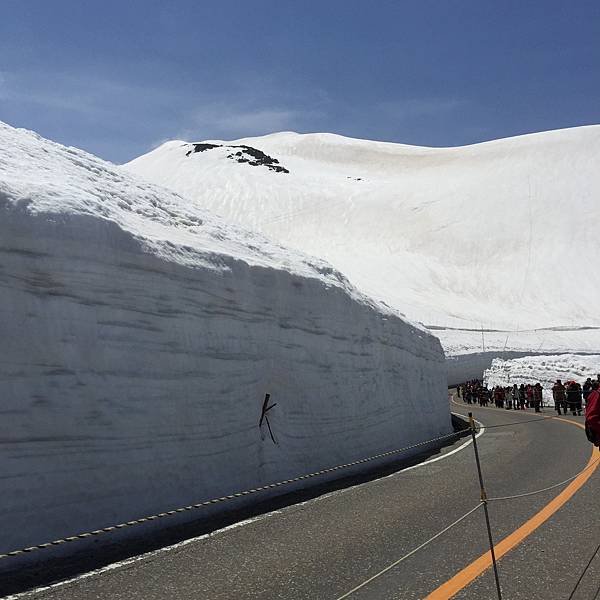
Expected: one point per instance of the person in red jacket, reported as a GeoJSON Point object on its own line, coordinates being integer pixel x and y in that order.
{"type": "Point", "coordinates": [592, 415]}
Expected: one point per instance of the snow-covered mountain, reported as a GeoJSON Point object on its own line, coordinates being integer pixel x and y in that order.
{"type": "Point", "coordinates": [140, 334]}
{"type": "Point", "coordinates": [500, 236]}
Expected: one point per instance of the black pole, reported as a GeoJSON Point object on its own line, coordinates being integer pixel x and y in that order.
{"type": "Point", "coordinates": [485, 507]}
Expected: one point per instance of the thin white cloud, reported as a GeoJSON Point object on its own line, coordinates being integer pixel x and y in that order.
{"type": "Point", "coordinates": [3, 86]}
{"type": "Point", "coordinates": [409, 108]}
{"type": "Point", "coordinates": [262, 119]}
{"type": "Point", "coordinates": [241, 106]}
{"type": "Point", "coordinates": [188, 112]}
{"type": "Point", "coordinates": [84, 93]}
{"type": "Point", "coordinates": [227, 121]}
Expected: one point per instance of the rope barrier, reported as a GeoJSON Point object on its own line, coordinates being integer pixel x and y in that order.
{"type": "Point", "coordinates": [583, 573]}
{"type": "Point", "coordinates": [233, 496]}
{"type": "Point", "coordinates": [437, 535]}
{"type": "Point", "coordinates": [550, 487]}
{"type": "Point", "coordinates": [519, 422]}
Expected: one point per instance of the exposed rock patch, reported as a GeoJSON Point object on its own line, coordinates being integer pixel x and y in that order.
{"type": "Point", "coordinates": [202, 148]}
{"type": "Point", "coordinates": [246, 154]}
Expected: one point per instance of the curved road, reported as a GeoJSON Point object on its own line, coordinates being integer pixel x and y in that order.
{"type": "Point", "coordinates": [326, 547]}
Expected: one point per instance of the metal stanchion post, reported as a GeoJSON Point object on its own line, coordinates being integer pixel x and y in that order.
{"type": "Point", "coordinates": [485, 507]}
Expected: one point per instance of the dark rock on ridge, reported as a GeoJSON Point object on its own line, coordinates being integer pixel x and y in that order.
{"type": "Point", "coordinates": [247, 154]}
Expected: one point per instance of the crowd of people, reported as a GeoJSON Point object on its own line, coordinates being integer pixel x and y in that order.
{"type": "Point", "coordinates": [570, 396]}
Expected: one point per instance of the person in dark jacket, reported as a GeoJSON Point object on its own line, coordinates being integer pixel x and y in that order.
{"type": "Point", "coordinates": [574, 397]}
{"type": "Point", "coordinates": [529, 395]}
{"type": "Point", "coordinates": [537, 397]}
{"type": "Point", "coordinates": [559, 394]}
{"type": "Point", "coordinates": [483, 396]}
{"type": "Point", "coordinates": [515, 397]}
{"type": "Point", "coordinates": [498, 397]}
{"type": "Point", "coordinates": [587, 388]}
{"type": "Point", "coordinates": [522, 396]}
{"type": "Point", "coordinates": [571, 393]}
{"type": "Point", "coordinates": [579, 405]}
{"type": "Point", "coordinates": [592, 415]}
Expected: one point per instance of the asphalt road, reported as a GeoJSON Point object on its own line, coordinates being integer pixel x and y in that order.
{"type": "Point", "coordinates": [325, 547]}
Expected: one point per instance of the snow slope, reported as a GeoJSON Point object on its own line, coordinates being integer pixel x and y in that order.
{"type": "Point", "coordinates": [499, 236]}
{"type": "Point", "coordinates": [543, 369]}
{"type": "Point", "coordinates": [140, 334]}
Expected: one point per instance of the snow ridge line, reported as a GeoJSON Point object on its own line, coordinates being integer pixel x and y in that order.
{"type": "Point", "coordinates": [233, 496]}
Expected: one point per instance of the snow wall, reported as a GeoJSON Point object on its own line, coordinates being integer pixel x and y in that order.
{"type": "Point", "coordinates": [132, 385]}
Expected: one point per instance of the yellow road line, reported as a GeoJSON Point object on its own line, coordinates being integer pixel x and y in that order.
{"type": "Point", "coordinates": [478, 566]}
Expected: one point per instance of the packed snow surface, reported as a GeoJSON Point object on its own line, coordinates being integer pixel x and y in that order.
{"type": "Point", "coordinates": [140, 334]}
{"type": "Point", "coordinates": [543, 369]}
{"type": "Point", "coordinates": [500, 236]}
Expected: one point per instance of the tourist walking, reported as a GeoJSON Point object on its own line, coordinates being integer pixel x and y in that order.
{"type": "Point", "coordinates": [592, 415]}
{"type": "Point", "coordinates": [537, 397]}
{"type": "Point", "coordinates": [559, 395]}
{"type": "Point", "coordinates": [522, 396]}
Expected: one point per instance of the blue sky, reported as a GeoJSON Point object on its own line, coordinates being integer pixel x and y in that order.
{"type": "Point", "coordinates": [119, 77]}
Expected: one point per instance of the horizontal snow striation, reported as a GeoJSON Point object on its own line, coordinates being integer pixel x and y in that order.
{"type": "Point", "coordinates": [140, 335]}
{"type": "Point", "coordinates": [499, 235]}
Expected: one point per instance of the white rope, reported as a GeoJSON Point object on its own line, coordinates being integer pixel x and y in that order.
{"type": "Point", "coordinates": [583, 574]}
{"type": "Point", "coordinates": [546, 489]}
{"type": "Point", "coordinates": [437, 535]}
{"type": "Point", "coordinates": [520, 422]}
